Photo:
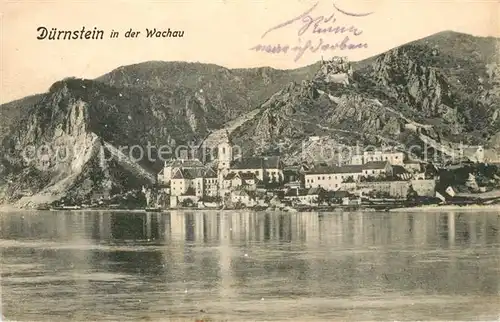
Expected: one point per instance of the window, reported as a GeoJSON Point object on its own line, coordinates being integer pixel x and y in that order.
{"type": "Point", "coordinates": [319, 178]}
{"type": "Point", "coordinates": [223, 150]}
{"type": "Point", "coordinates": [323, 178]}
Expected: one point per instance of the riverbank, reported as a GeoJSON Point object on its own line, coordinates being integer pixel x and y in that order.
{"type": "Point", "coordinates": [8, 208]}
{"type": "Point", "coordinates": [441, 208]}
{"type": "Point", "coordinates": [423, 208]}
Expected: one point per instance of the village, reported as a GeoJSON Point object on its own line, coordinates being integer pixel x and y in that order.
{"type": "Point", "coordinates": [371, 178]}
{"type": "Point", "coordinates": [375, 179]}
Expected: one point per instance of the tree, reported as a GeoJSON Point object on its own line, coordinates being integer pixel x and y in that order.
{"type": "Point", "coordinates": [411, 194]}
{"type": "Point", "coordinates": [211, 199]}
{"type": "Point", "coordinates": [349, 179]}
{"type": "Point", "coordinates": [187, 202]}
{"type": "Point", "coordinates": [322, 196]}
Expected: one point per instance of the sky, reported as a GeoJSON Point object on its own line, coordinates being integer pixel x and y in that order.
{"type": "Point", "coordinates": [221, 32]}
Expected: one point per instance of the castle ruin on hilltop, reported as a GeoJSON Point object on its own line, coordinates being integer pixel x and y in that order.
{"type": "Point", "coordinates": [336, 70]}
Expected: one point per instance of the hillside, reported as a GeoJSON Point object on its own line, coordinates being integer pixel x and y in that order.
{"type": "Point", "coordinates": [442, 89]}
{"type": "Point", "coordinates": [231, 92]}
{"type": "Point", "coordinates": [10, 113]}
{"type": "Point", "coordinates": [152, 104]}
{"type": "Point", "coordinates": [447, 84]}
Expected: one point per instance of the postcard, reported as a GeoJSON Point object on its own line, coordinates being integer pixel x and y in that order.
{"type": "Point", "coordinates": [243, 160]}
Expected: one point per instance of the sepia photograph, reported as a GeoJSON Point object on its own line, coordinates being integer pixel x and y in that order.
{"type": "Point", "coordinates": [243, 160]}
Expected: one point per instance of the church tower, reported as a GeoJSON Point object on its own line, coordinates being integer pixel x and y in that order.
{"type": "Point", "coordinates": [224, 154]}
{"type": "Point", "coordinates": [224, 158]}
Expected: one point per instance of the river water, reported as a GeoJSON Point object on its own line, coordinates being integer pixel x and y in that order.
{"type": "Point", "coordinates": [243, 266]}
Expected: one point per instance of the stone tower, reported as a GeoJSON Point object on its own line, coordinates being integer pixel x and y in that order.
{"type": "Point", "coordinates": [224, 154]}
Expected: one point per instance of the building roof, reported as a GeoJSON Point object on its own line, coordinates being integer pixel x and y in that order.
{"type": "Point", "coordinates": [177, 174]}
{"type": "Point", "coordinates": [194, 173]}
{"type": "Point", "coordinates": [240, 192]}
{"type": "Point", "coordinates": [295, 192]}
{"type": "Point", "coordinates": [210, 173]}
{"type": "Point", "coordinates": [188, 174]}
{"type": "Point", "coordinates": [376, 165]}
{"type": "Point", "coordinates": [314, 191]}
{"type": "Point", "coordinates": [382, 151]}
{"type": "Point", "coordinates": [184, 163]}
{"type": "Point", "coordinates": [291, 192]}
{"type": "Point", "coordinates": [295, 169]}
{"type": "Point", "coordinates": [332, 170]}
{"type": "Point", "coordinates": [243, 176]}
{"type": "Point", "coordinates": [398, 170]}
{"type": "Point", "coordinates": [338, 194]}
{"type": "Point", "coordinates": [247, 176]}
{"type": "Point", "coordinates": [321, 170]}
{"type": "Point", "coordinates": [257, 163]}
{"type": "Point", "coordinates": [350, 168]}
{"type": "Point", "coordinates": [410, 161]}
{"type": "Point", "coordinates": [231, 176]}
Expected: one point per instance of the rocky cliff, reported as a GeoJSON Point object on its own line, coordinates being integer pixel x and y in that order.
{"type": "Point", "coordinates": [86, 138]}
{"type": "Point", "coordinates": [442, 87]}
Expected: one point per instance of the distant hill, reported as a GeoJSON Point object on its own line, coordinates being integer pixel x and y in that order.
{"type": "Point", "coordinates": [231, 92]}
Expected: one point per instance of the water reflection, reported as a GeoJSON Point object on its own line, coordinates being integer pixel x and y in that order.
{"type": "Point", "coordinates": [98, 265]}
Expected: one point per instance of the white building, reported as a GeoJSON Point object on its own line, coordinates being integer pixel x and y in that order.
{"type": "Point", "coordinates": [303, 196]}
{"type": "Point", "coordinates": [393, 157]}
{"type": "Point", "coordinates": [243, 197]}
{"type": "Point", "coordinates": [172, 165]}
{"type": "Point", "coordinates": [377, 168]}
{"type": "Point", "coordinates": [332, 178]}
{"type": "Point", "coordinates": [210, 183]}
{"type": "Point", "coordinates": [238, 179]}
{"type": "Point", "coordinates": [264, 168]}
{"type": "Point", "coordinates": [186, 181]}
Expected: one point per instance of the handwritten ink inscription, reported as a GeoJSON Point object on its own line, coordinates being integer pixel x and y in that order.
{"type": "Point", "coordinates": [323, 25]}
